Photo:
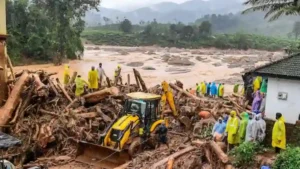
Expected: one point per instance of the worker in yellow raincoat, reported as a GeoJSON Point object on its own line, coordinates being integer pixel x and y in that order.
{"type": "Point", "coordinates": [256, 83]}
{"type": "Point", "coordinates": [232, 128]}
{"type": "Point", "coordinates": [203, 88]}
{"type": "Point", "coordinates": [221, 90]}
{"type": "Point", "coordinates": [167, 96]}
{"type": "Point", "coordinates": [93, 79]}
{"type": "Point", "coordinates": [80, 83]}
{"type": "Point", "coordinates": [243, 126]}
{"type": "Point", "coordinates": [66, 74]}
{"type": "Point", "coordinates": [118, 75]}
{"type": "Point", "coordinates": [278, 134]}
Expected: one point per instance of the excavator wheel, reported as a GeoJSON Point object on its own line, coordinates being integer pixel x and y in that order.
{"type": "Point", "coordinates": [134, 148]}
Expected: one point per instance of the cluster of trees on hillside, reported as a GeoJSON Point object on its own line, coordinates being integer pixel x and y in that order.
{"type": "Point", "coordinates": [46, 29]}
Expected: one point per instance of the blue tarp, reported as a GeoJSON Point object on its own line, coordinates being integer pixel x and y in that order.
{"type": "Point", "coordinates": [7, 141]}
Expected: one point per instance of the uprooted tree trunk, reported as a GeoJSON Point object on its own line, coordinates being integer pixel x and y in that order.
{"type": "Point", "coordinates": [99, 95]}
{"type": "Point", "coordinates": [220, 153]}
{"type": "Point", "coordinates": [13, 99]}
{"type": "Point", "coordinates": [40, 88]}
{"type": "Point", "coordinates": [174, 87]}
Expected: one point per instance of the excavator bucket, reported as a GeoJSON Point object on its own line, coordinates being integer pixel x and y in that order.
{"type": "Point", "coordinates": [99, 156]}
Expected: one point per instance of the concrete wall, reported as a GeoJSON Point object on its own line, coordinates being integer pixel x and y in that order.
{"type": "Point", "coordinates": [2, 18]}
{"type": "Point", "coordinates": [289, 108]}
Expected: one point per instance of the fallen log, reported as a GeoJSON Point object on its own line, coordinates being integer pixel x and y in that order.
{"type": "Point", "coordinates": [40, 88]}
{"type": "Point", "coordinates": [176, 133]}
{"type": "Point", "coordinates": [11, 68]}
{"type": "Point", "coordinates": [99, 95]}
{"type": "Point", "coordinates": [124, 166]}
{"type": "Point", "coordinates": [26, 102]}
{"type": "Point", "coordinates": [174, 87]}
{"type": "Point", "coordinates": [142, 82]}
{"type": "Point", "coordinates": [53, 87]}
{"type": "Point", "coordinates": [63, 90]}
{"type": "Point", "coordinates": [170, 163]}
{"type": "Point", "coordinates": [220, 153]}
{"type": "Point", "coordinates": [72, 80]}
{"type": "Point", "coordinates": [89, 115]}
{"type": "Point", "coordinates": [104, 116]}
{"type": "Point", "coordinates": [17, 113]}
{"type": "Point", "coordinates": [199, 143]}
{"type": "Point", "coordinates": [49, 112]}
{"type": "Point", "coordinates": [13, 99]}
{"type": "Point", "coordinates": [175, 155]}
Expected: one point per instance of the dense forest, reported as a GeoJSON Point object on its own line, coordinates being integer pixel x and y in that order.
{"type": "Point", "coordinates": [46, 30]}
{"type": "Point", "coordinates": [203, 33]}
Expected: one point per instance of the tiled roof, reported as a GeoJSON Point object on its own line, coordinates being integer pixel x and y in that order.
{"type": "Point", "coordinates": [288, 67]}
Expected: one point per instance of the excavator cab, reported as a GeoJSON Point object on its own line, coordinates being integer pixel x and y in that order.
{"type": "Point", "coordinates": [123, 138]}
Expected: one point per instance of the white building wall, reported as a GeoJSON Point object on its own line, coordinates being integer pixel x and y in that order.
{"type": "Point", "coordinates": [289, 108]}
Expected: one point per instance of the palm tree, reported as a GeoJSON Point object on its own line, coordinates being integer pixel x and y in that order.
{"type": "Point", "coordinates": [274, 8]}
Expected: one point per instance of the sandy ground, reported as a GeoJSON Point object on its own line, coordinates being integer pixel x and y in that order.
{"type": "Point", "coordinates": [214, 64]}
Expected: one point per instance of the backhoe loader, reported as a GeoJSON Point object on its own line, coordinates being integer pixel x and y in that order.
{"type": "Point", "coordinates": [124, 137]}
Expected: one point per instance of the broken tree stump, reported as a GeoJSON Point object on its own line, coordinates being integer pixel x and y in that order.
{"type": "Point", "coordinates": [72, 80]}
{"type": "Point", "coordinates": [99, 95]}
{"type": "Point", "coordinates": [40, 88]}
{"type": "Point", "coordinates": [140, 79]}
{"type": "Point", "coordinates": [13, 99]}
{"type": "Point", "coordinates": [220, 153]}
{"type": "Point", "coordinates": [175, 155]}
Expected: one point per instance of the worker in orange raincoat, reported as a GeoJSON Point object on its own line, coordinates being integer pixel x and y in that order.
{"type": "Point", "coordinates": [232, 129]}
{"type": "Point", "coordinates": [167, 96]}
{"type": "Point", "coordinates": [66, 74]}
{"type": "Point", "coordinates": [278, 134]}
{"type": "Point", "coordinates": [93, 79]}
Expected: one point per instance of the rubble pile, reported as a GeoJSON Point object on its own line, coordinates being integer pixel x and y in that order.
{"type": "Point", "coordinates": [49, 119]}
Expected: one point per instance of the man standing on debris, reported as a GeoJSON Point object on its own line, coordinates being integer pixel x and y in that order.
{"type": "Point", "coordinates": [278, 134]}
{"type": "Point", "coordinates": [162, 132]}
{"type": "Point", "coordinates": [101, 74]}
{"type": "Point", "coordinates": [80, 83]}
{"type": "Point", "coordinates": [93, 79]}
{"type": "Point", "coordinates": [213, 90]}
{"type": "Point", "coordinates": [208, 89]}
{"type": "Point", "coordinates": [66, 74]}
{"type": "Point", "coordinates": [203, 88]}
{"type": "Point", "coordinates": [243, 126]}
{"type": "Point", "coordinates": [232, 130]}
{"type": "Point", "coordinates": [221, 90]}
{"type": "Point", "coordinates": [249, 131]}
{"type": "Point", "coordinates": [118, 75]}
{"type": "Point", "coordinates": [198, 89]}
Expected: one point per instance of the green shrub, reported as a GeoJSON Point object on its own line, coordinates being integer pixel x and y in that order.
{"type": "Point", "coordinates": [289, 159]}
{"type": "Point", "coordinates": [244, 154]}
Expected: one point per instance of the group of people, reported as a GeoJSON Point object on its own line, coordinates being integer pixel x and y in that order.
{"type": "Point", "coordinates": [250, 128]}
{"type": "Point", "coordinates": [95, 78]}
{"type": "Point", "coordinates": [208, 89]}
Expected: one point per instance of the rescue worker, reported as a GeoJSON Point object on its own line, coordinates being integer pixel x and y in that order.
{"type": "Point", "coordinates": [203, 88]}
{"type": "Point", "coordinates": [221, 90]}
{"type": "Point", "coordinates": [198, 89]}
{"type": "Point", "coordinates": [118, 75]}
{"type": "Point", "coordinates": [101, 74]}
{"type": "Point", "coordinates": [249, 131]}
{"type": "Point", "coordinates": [243, 126]}
{"type": "Point", "coordinates": [232, 130]}
{"type": "Point", "coordinates": [161, 133]}
{"type": "Point", "coordinates": [213, 89]}
{"type": "Point", "coordinates": [219, 129]}
{"type": "Point", "coordinates": [236, 88]}
{"type": "Point", "coordinates": [257, 83]}
{"type": "Point", "coordinates": [67, 76]}
{"type": "Point", "coordinates": [278, 134]}
{"type": "Point", "coordinates": [264, 86]}
{"type": "Point", "coordinates": [80, 83]}
{"type": "Point", "coordinates": [167, 96]}
{"type": "Point", "coordinates": [259, 128]}
{"type": "Point", "coordinates": [93, 79]}
{"type": "Point", "coordinates": [208, 89]}
{"type": "Point", "coordinates": [256, 102]}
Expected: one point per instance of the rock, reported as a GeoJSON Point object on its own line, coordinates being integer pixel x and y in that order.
{"type": "Point", "coordinates": [89, 48]}
{"type": "Point", "coordinates": [123, 52]}
{"type": "Point", "coordinates": [97, 48]}
{"type": "Point", "coordinates": [174, 70]}
{"type": "Point", "coordinates": [148, 68]}
{"type": "Point", "coordinates": [199, 58]}
{"type": "Point", "coordinates": [180, 61]}
{"type": "Point", "coordinates": [150, 52]}
{"type": "Point", "coordinates": [135, 64]}
{"type": "Point", "coordinates": [165, 57]}
{"type": "Point", "coordinates": [217, 64]}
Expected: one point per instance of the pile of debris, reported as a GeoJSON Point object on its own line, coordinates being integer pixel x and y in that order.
{"type": "Point", "coordinates": [49, 119]}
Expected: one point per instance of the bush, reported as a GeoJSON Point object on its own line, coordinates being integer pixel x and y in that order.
{"type": "Point", "coordinates": [244, 154]}
{"type": "Point", "coordinates": [289, 159]}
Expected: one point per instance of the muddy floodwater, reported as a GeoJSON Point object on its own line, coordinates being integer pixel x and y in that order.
{"type": "Point", "coordinates": [157, 64]}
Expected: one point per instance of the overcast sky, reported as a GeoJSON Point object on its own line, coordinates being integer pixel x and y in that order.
{"type": "Point", "coordinates": [126, 5]}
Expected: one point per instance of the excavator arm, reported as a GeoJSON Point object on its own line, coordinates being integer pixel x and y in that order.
{"type": "Point", "coordinates": [167, 97]}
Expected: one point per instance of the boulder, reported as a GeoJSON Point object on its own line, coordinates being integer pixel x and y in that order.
{"type": "Point", "coordinates": [135, 64]}
{"type": "Point", "coordinates": [148, 68]}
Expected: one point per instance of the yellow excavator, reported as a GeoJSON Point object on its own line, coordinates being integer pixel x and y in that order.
{"type": "Point", "coordinates": [136, 126]}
